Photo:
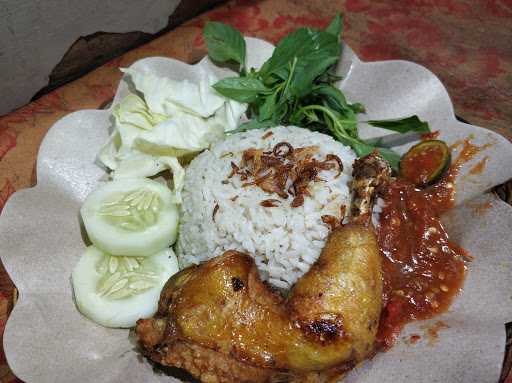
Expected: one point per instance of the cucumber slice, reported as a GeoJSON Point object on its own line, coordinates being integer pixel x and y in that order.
{"type": "Point", "coordinates": [426, 162]}
{"type": "Point", "coordinates": [116, 291]}
{"type": "Point", "coordinates": [131, 217]}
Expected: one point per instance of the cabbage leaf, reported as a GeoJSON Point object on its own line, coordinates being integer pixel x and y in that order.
{"type": "Point", "coordinates": [173, 119]}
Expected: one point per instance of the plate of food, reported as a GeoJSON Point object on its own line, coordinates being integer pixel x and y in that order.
{"type": "Point", "coordinates": [269, 214]}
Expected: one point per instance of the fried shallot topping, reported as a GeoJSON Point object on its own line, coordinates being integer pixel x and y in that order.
{"type": "Point", "coordinates": [270, 203]}
{"type": "Point", "coordinates": [284, 170]}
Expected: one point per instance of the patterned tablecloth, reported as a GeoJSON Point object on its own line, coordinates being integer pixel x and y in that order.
{"type": "Point", "coordinates": [467, 43]}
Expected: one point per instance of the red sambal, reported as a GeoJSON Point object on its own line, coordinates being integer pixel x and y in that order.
{"type": "Point", "coordinates": [422, 269]}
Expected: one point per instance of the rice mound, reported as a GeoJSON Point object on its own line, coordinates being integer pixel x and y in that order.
{"type": "Point", "coordinates": [284, 241]}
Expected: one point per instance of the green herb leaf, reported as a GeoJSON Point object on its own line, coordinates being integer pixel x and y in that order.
{"type": "Point", "coordinates": [307, 70]}
{"type": "Point", "coordinates": [358, 107]}
{"type": "Point", "coordinates": [224, 43]}
{"type": "Point", "coordinates": [402, 125]}
{"type": "Point", "coordinates": [363, 149]}
{"type": "Point", "coordinates": [336, 26]}
{"type": "Point", "coordinates": [309, 46]}
{"type": "Point", "coordinates": [241, 89]}
{"type": "Point", "coordinates": [334, 99]}
{"type": "Point", "coordinates": [253, 124]}
{"type": "Point", "coordinates": [269, 106]}
{"type": "Point", "coordinates": [309, 52]}
{"type": "Point", "coordinates": [377, 141]}
{"type": "Point", "coordinates": [328, 78]}
{"type": "Point", "coordinates": [332, 96]}
{"type": "Point", "coordinates": [282, 73]}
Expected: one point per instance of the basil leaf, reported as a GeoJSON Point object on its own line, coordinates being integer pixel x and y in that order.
{"type": "Point", "coordinates": [402, 125]}
{"type": "Point", "coordinates": [332, 96]}
{"type": "Point", "coordinates": [363, 149]}
{"type": "Point", "coordinates": [334, 99]}
{"type": "Point", "coordinates": [241, 89]}
{"type": "Point", "coordinates": [224, 43]}
{"type": "Point", "coordinates": [358, 107]}
{"type": "Point", "coordinates": [282, 73]}
{"type": "Point", "coordinates": [308, 69]}
{"type": "Point", "coordinates": [309, 46]}
{"type": "Point", "coordinates": [336, 26]}
{"type": "Point", "coordinates": [377, 141]}
{"type": "Point", "coordinates": [297, 117]}
{"type": "Point", "coordinates": [269, 106]}
{"type": "Point", "coordinates": [253, 124]}
{"type": "Point", "coordinates": [328, 78]}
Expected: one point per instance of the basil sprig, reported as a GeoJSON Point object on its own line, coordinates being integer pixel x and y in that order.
{"type": "Point", "coordinates": [296, 86]}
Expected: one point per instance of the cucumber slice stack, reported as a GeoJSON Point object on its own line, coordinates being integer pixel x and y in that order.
{"type": "Point", "coordinates": [132, 223]}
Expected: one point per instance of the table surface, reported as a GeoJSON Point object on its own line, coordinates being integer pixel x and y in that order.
{"type": "Point", "coordinates": [466, 43]}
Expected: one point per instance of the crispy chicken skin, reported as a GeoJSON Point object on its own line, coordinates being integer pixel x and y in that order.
{"type": "Point", "coordinates": [330, 318]}
{"type": "Point", "coordinates": [220, 322]}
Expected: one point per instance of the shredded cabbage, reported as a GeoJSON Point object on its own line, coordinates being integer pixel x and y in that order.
{"type": "Point", "coordinates": [175, 119]}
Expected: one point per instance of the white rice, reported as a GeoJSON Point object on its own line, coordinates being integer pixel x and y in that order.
{"type": "Point", "coordinates": [284, 241]}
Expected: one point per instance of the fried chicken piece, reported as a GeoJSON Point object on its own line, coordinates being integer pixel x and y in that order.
{"type": "Point", "coordinates": [223, 324]}
{"type": "Point", "coordinates": [330, 318]}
